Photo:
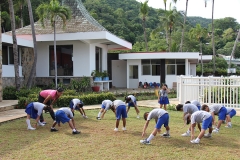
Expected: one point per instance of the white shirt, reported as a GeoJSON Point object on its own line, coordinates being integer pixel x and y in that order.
{"type": "Point", "coordinates": [190, 108]}
{"type": "Point", "coordinates": [156, 113]}
{"type": "Point", "coordinates": [107, 104]}
{"type": "Point", "coordinates": [117, 103]}
{"type": "Point", "coordinates": [76, 102]}
{"type": "Point", "coordinates": [229, 109]}
{"type": "Point", "coordinates": [39, 107]}
{"type": "Point", "coordinates": [199, 116]}
{"type": "Point", "coordinates": [195, 102]}
{"type": "Point", "coordinates": [133, 99]}
{"type": "Point", "coordinates": [215, 108]}
{"type": "Point", "coordinates": [67, 111]}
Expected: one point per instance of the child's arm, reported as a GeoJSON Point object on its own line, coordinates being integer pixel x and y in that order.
{"type": "Point", "coordinates": [144, 128]}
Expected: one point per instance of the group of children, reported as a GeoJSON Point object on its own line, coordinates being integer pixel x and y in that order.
{"type": "Point", "coordinates": [193, 113]}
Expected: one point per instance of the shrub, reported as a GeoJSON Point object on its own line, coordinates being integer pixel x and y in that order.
{"type": "Point", "coordinates": [9, 93]}
{"type": "Point", "coordinates": [171, 107]}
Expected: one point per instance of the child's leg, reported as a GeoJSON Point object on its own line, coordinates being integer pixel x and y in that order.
{"type": "Point", "coordinates": [100, 112]}
{"type": "Point", "coordinates": [201, 134]}
{"type": "Point", "coordinates": [28, 121]}
{"type": "Point", "coordinates": [124, 122]}
{"type": "Point", "coordinates": [137, 110]}
{"type": "Point", "coordinates": [165, 107]}
{"type": "Point", "coordinates": [117, 123]}
{"type": "Point", "coordinates": [153, 134]}
{"type": "Point", "coordinates": [80, 111]}
{"type": "Point", "coordinates": [161, 105]}
{"type": "Point", "coordinates": [167, 129]}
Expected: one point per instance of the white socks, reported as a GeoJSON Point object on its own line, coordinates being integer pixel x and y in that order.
{"type": "Point", "coordinates": [74, 130]}
{"type": "Point", "coordinates": [99, 114]}
{"type": "Point", "coordinates": [150, 137]}
{"type": "Point", "coordinates": [28, 123]}
{"type": "Point", "coordinates": [167, 131]}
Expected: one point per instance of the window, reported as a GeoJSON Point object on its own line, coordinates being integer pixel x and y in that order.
{"type": "Point", "coordinates": [171, 69]}
{"type": "Point", "coordinates": [133, 72]}
{"type": "Point", "coordinates": [98, 59]}
{"type": "Point", "coordinates": [170, 61]}
{"type": "Point", "coordinates": [180, 69]}
{"type": "Point", "coordinates": [8, 56]}
{"type": "Point", "coordinates": [151, 67]}
{"type": "Point", "coordinates": [64, 60]}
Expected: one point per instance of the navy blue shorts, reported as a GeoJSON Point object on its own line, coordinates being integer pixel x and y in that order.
{"type": "Point", "coordinates": [31, 111]}
{"type": "Point", "coordinates": [163, 100]}
{"type": "Point", "coordinates": [164, 119]}
{"type": "Point", "coordinates": [121, 112]}
{"type": "Point", "coordinates": [207, 123]}
{"type": "Point", "coordinates": [61, 117]}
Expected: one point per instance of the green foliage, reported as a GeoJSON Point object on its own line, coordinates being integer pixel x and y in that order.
{"type": "Point", "coordinates": [171, 107]}
{"type": "Point", "coordinates": [9, 93]}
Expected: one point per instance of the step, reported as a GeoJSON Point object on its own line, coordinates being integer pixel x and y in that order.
{"type": "Point", "coordinates": [6, 108]}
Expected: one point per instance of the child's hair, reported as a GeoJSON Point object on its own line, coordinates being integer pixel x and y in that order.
{"type": "Point", "coordinates": [128, 99]}
{"type": "Point", "coordinates": [164, 85]}
{"type": "Point", "coordinates": [145, 115]}
{"type": "Point", "coordinates": [204, 107]}
{"type": "Point", "coordinates": [59, 89]}
{"type": "Point", "coordinates": [179, 107]}
{"type": "Point", "coordinates": [187, 102]}
{"type": "Point", "coordinates": [187, 118]}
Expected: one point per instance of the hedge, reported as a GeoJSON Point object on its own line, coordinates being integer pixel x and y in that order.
{"type": "Point", "coordinates": [64, 100]}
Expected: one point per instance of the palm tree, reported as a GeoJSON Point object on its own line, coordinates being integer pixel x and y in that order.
{"type": "Point", "coordinates": [144, 12]}
{"type": "Point", "coordinates": [184, 23]}
{"type": "Point", "coordinates": [234, 48]}
{"type": "Point", "coordinates": [15, 47]}
{"type": "Point", "coordinates": [165, 4]}
{"type": "Point", "coordinates": [33, 69]}
{"type": "Point", "coordinates": [199, 34]}
{"type": "Point", "coordinates": [0, 57]}
{"type": "Point", "coordinates": [213, 42]}
{"type": "Point", "coordinates": [18, 6]}
{"type": "Point", "coordinates": [52, 11]}
{"type": "Point", "coordinates": [5, 21]}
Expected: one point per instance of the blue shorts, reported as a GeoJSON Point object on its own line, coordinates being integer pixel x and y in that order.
{"type": "Point", "coordinates": [164, 119]}
{"type": "Point", "coordinates": [199, 108]}
{"type": "Point", "coordinates": [222, 113]}
{"type": "Point", "coordinates": [71, 105]}
{"type": "Point", "coordinates": [163, 100]}
{"type": "Point", "coordinates": [121, 112]}
{"type": "Point", "coordinates": [131, 104]}
{"type": "Point", "coordinates": [61, 117]}
{"type": "Point", "coordinates": [207, 123]}
{"type": "Point", "coordinates": [232, 113]}
{"type": "Point", "coordinates": [31, 111]}
{"type": "Point", "coordinates": [103, 107]}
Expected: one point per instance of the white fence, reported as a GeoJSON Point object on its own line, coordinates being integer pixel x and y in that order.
{"type": "Point", "coordinates": [209, 90]}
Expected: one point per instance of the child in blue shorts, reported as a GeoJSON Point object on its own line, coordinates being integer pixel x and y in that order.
{"type": "Point", "coordinates": [230, 113]}
{"type": "Point", "coordinates": [77, 104]}
{"type": "Point", "coordinates": [132, 102]}
{"type": "Point", "coordinates": [199, 117]}
{"type": "Point", "coordinates": [162, 118]}
{"type": "Point", "coordinates": [163, 96]}
{"type": "Point", "coordinates": [121, 112]}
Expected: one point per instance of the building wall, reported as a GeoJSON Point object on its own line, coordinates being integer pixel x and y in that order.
{"type": "Point", "coordinates": [119, 73]}
{"type": "Point", "coordinates": [193, 69]}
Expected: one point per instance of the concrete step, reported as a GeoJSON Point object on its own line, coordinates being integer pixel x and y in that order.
{"type": "Point", "coordinates": [6, 105]}
{"type": "Point", "coordinates": [6, 108]}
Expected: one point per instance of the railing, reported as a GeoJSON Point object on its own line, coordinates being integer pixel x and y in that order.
{"type": "Point", "coordinates": [209, 90]}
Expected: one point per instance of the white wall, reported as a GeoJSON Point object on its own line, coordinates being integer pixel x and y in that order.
{"type": "Point", "coordinates": [119, 73]}
{"type": "Point", "coordinates": [193, 69]}
{"type": "Point", "coordinates": [8, 71]}
{"type": "Point", "coordinates": [133, 83]}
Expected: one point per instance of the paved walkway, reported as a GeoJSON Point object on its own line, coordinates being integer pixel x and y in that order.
{"type": "Point", "coordinates": [19, 113]}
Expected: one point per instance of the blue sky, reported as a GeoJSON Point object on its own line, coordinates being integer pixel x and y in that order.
{"type": "Point", "coordinates": [222, 9]}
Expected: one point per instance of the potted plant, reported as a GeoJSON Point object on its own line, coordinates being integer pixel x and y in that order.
{"type": "Point", "coordinates": [105, 76]}
{"type": "Point", "coordinates": [95, 88]}
{"type": "Point", "coordinates": [97, 76]}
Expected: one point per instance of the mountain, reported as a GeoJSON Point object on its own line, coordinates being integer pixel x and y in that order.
{"type": "Point", "coordinates": [195, 20]}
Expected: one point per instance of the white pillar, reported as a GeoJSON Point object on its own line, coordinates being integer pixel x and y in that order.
{"type": "Point", "coordinates": [186, 67]}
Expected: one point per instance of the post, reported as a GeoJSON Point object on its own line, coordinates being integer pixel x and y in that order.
{"type": "Point", "coordinates": [0, 58]}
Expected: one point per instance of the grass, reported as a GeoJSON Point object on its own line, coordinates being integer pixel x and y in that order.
{"type": "Point", "coordinates": [99, 141]}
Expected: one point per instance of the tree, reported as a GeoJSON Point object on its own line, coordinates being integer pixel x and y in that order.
{"type": "Point", "coordinates": [144, 12]}
{"type": "Point", "coordinates": [199, 34]}
{"type": "Point", "coordinates": [165, 4]}
{"type": "Point", "coordinates": [5, 21]}
{"type": "Point", "coordinates": [234, 47]}
{"type": "Point", "coordinates": [52, 11]}
{"type": "Point", "coordinates": [18, 6]}
{"type": "Point", "coordinates": [184, 23]}
{"type": "Point", "coordinates": [33, 69]}
{"type": "Point", "coordinates": [0, 57]}
{"type": "Point", "coordinates": [15, 47]}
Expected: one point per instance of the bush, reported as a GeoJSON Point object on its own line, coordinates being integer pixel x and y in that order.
{"type": "Point", "coordinates": [64, 100]}
{"type": "Point", "coordinates": [9, 93]}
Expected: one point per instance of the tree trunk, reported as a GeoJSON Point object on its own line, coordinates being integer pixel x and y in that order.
{"type": "Point", "coordinates": [33, 69]}
{"type": "Point", "coordinates": [201, 56]}
{"type": "Point", "coordinates": [55, 54]}
{"type": "Point", "coordinates": [167, 39]}
{"type": "Point", "coordinates": [0, 58]}
{"type": "Point", "coordinates": [15, 47]}
{"type": "Point", "coordinates": [184, 23]}
{"type": "Point", "coordinates": [145, 36]}
{"type": "Point", "coordinates": [21, 14]}
{"type": "Point", "coordinates": [213, 42]}
{"type": "Point", "coordinates": [234, 48]}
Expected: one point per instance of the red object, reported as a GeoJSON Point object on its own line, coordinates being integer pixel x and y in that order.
{"type": "Point", "coordinates": [96, 88]}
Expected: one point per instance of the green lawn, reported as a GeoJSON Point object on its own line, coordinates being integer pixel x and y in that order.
{"type": "Point", "coordinates": [99, 141]}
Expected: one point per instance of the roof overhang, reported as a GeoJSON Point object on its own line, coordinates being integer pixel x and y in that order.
{"type": "Point", "coordinates": [20, 41]}
{"type": "Point", "coordinates": [193, 57]}
{"type": "Point", "coordinates": [205, 58]}
{"type": "Point", "coordinates": [103, 37]}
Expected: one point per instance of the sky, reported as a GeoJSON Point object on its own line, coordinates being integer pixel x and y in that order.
{"type": "Point", "coordinates": [222, 8]}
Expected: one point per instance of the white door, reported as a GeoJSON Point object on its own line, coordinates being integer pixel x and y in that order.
{"type": "Point", "coordinates": [119, 73]}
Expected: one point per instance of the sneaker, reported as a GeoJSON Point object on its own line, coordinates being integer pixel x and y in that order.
{"type": "Point", "coordinates": [215, 130]}
{"type": "Point", "coordinates": [53, 130]}
{"type": "Point", "coordinates": [138, 117]}
{"type": "Point", "coordinates": [31, 128]}
{"type": "Point", "coordinates": [207, 135]}
{"type": "Point", "coordinates": [124, 128]}
{"type": "Point", "coordinates": [41, 124]}
{"type": "Point", "coordinates": [76, 132]}
{"type": "Point", "coordinates": [194, 141]}
{"type": "Point", "coordinates": [98, 118]}
{"type": "Point", "coordinates": [116, 129]}
{"type": "Point", "coordinates": [228, 126]}
{"type": "Point", "coordinates": [166, 135]}
{"type": "Point", "coordinates": [85, 117]}
{"type": "Point", "coordinates": [186, 134]}
{"type": "Point", "coordinates": [144, 141]}
{"type": "Point", "coordinates": [44, 122]}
